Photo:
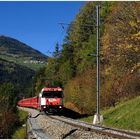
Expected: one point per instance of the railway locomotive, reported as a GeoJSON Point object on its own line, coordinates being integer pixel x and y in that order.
{"type": "Point", "coordinates": [49, 100]}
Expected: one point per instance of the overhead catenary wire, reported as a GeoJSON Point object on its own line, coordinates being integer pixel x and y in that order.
{"type": "Point", "coordinates": [82, 25]}
{"type": "Point", "coordinates": [65, 28]}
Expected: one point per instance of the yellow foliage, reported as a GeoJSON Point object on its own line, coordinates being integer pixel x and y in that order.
{"type": "Point", "coordinates": [133, 24]}
{"type": "Point", "coordinates": [129, 46]}
{"type": "Point", "coordinates": [137, 35]}
{"type": "Point", "coordinates": [121, 48]}
{"type": "Point", "coordinates": [80, 93]}
{"type": "Point", "coordinates": [137, 66]}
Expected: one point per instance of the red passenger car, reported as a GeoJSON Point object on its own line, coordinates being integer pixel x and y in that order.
{"type": "Point", "coordinates": [29, 102]}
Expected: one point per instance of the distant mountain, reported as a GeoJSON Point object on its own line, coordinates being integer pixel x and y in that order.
{"type": "Point", "coordinates": [20, 53]}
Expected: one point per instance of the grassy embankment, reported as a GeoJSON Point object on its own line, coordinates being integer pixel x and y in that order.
{"type": "Point", "coordinates": [125, 115]}
{"type": "Point", "coordinates": [20, 132]}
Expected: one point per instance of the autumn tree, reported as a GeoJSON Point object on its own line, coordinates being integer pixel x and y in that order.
{"type": "Point", "coordinates": [121, 49]}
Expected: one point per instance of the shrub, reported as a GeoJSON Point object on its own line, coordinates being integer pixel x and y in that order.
{"type": "Point", "coordinates": [81, 92]}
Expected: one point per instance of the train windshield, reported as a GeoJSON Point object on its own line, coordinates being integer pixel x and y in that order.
{"type": "Point", "coordinates": [52, 94]}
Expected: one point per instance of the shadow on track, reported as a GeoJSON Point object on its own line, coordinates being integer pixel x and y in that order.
{"type": "Point", "coordinates": [72, 114]}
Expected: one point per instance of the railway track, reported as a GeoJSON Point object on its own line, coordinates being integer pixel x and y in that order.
{"type": "Point", "coordinates": [112, 132]}
{"type": "Point", "coordinates": [60, 127]}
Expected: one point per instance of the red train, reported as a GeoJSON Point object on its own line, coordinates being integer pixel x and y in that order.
{"type": "Point", "coordinates": [49, 100]}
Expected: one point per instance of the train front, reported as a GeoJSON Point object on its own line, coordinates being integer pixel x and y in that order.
{"type": "Point", "coordinates": [51, 100]}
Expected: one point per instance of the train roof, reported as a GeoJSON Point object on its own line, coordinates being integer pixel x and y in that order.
{"type": "Point", "coordinates": [29, 98]}
{"type": "Point", "coordinates": [51, 89]}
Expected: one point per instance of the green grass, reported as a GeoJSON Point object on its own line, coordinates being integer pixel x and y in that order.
{"type": "Point", "coordinates": [125, 115]}
{"type": "Point", "coordinates": [20, 132]}
{"type": "Point", "coordinates": [88, 119]}
{"type": "Point", "coordinates": [22, 116]}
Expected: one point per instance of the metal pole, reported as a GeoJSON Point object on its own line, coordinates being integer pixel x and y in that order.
{"type": "Point", "coordinates": [97, 117]}
{"type": "Point", "coordinates": [98, 60]}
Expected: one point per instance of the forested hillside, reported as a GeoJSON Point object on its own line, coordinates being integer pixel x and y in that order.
{"type": "Point", "coordinates": [75, 70]}
{"type": "Point", "coordinates": [18, 75]}
{"type": "Point", "coordinates": [18, 63]}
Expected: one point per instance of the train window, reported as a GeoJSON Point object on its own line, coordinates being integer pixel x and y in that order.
{"type": "Point", "coordinates": [52, 94]}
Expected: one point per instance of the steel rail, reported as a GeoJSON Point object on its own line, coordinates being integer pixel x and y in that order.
{"type": "Point", "coordinates": [113, 132]}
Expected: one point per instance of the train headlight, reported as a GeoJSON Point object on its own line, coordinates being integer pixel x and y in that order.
{"type": "Point", "coordinates": [60, 107]}
{"type": "Point", "coordinates": [44, 106]}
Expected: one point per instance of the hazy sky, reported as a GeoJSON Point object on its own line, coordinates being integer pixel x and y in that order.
{"type": "Point", "coordinates": [36, 23]}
